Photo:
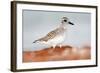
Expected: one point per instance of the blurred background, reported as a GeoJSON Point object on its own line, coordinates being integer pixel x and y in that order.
{"type": "Point", "coordinates": [37, 24]}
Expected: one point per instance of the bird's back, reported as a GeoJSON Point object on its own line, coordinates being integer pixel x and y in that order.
{"type": "Point", "coordinates": [53, 34]}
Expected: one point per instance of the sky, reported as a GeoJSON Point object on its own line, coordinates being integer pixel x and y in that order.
{"type": "Point", "coordinates": [37, 24]}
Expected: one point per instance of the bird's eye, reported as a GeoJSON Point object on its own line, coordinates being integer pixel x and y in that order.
{"type": "Point", "coordinates": [65, 20]}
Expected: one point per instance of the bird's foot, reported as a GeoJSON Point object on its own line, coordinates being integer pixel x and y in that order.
{"type": "Point", "coordinates": [54, 46]}
{"type": "Point", "coordinates": [51, 50]}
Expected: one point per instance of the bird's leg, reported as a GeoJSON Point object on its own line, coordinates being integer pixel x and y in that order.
{"type": "Point", "coordinates": [60, 45]}
{"type": "Point", "coordinates": [52, 49]}
{"type": "Point", "coordinates": [54, 46]}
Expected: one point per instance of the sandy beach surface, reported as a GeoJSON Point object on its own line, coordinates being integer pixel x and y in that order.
{"type": "Point", "coordinates": [58, 54]}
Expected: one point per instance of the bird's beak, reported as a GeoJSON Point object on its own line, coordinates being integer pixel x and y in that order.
{"type": "Point", "coordinates": [71, 23]}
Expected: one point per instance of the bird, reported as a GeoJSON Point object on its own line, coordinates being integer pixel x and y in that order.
{"type": "Point", "coordinates": [56, 36]}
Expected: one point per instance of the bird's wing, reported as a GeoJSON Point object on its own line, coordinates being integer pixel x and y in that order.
{"type": "Point", "coordinates": [50, 35]}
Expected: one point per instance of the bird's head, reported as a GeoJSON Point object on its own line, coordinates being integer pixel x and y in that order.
{"type": "Point", "coordinates": [65, 20]}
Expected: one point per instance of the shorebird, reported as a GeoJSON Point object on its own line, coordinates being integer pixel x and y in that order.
{"type": "Point", "coordinates": [56, 36]}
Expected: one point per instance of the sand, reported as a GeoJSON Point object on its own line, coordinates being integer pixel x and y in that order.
{"type": "Point", "coordinates": [57, 54]}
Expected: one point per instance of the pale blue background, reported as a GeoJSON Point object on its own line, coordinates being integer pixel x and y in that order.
{"type": "Point", "coordinates": [37, 24]}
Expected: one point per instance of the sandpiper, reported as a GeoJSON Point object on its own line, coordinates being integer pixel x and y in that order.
{"type": "Point", "coordinates": [57, 36]}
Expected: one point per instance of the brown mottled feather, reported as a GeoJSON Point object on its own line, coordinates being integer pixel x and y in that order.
{"type": "Point", "coordinates": [51, 34]}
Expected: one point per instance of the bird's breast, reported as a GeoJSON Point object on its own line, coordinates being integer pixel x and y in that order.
{"type": "Point", "coordinates": [56, 40]}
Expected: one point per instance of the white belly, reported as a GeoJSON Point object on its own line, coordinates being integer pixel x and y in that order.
{"type": "Point", "coordinates": [57, 40]}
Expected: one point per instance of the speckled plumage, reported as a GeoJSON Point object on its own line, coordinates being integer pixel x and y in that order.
{"type": "Point", "coordinates": [56, 36]}
{"type": "Point", "coordinates": [52, 34]}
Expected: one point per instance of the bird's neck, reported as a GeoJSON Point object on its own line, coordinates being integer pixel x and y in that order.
{"type": "Point", "coordinates": [63, 25]}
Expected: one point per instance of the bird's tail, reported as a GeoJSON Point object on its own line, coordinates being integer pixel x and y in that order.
{"type": "Point", "coordinates": [35, 41]}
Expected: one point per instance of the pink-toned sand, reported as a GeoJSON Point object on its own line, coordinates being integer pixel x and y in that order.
{"type": "Point", "coordinates": [57, 54]}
